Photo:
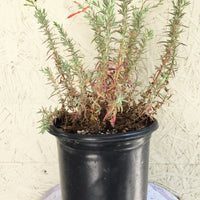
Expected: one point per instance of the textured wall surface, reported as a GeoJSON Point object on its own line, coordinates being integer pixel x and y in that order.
{"type": "Point", "coordinates": [28, 161]}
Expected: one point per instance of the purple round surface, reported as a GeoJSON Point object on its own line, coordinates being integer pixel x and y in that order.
{"type": "Point", "coordinates": [155, 192]}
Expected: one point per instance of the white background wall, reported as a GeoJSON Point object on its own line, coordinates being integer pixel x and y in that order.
{"type": "Point", "coordinates": [28, 160]}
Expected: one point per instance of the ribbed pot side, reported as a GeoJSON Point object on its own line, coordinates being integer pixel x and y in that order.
{"type": "Point", "coordinates": [104, 167]}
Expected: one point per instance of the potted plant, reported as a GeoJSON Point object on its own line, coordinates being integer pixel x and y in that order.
{"type": "Point", "coordinates": [104, 117]}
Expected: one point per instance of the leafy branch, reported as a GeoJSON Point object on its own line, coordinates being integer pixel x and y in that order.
{"type": "Point", "coordinates": [108, 95]}
{"type": "Point", "coordinates": [153, 98]}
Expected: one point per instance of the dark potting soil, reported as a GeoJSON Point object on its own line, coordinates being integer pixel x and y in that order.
{"type": "Point", "coordinates": [124, 123]}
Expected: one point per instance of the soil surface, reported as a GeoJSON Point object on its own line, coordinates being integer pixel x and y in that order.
{"type": "Point", "coordinates": [124, 123]}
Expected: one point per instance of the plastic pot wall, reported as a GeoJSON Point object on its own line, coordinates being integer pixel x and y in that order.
{"type": "Point", "coordinates": [104, 167]}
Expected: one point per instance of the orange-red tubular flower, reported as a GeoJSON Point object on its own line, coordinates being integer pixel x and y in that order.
{"type": "Point", "coordinates": [83, 10]}
{"type": "Point", "coordinates": [73, 14]}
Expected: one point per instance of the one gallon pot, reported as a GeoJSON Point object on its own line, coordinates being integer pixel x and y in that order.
{"type": "Point", "coordinates": [104, 167]}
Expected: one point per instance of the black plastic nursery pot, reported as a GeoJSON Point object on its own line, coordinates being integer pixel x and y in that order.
{"type": "Point", "coordinates": [104, 167]}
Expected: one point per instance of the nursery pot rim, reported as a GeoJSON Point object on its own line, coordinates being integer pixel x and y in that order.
{"type": "Point", "coordinates": [103, 138]}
